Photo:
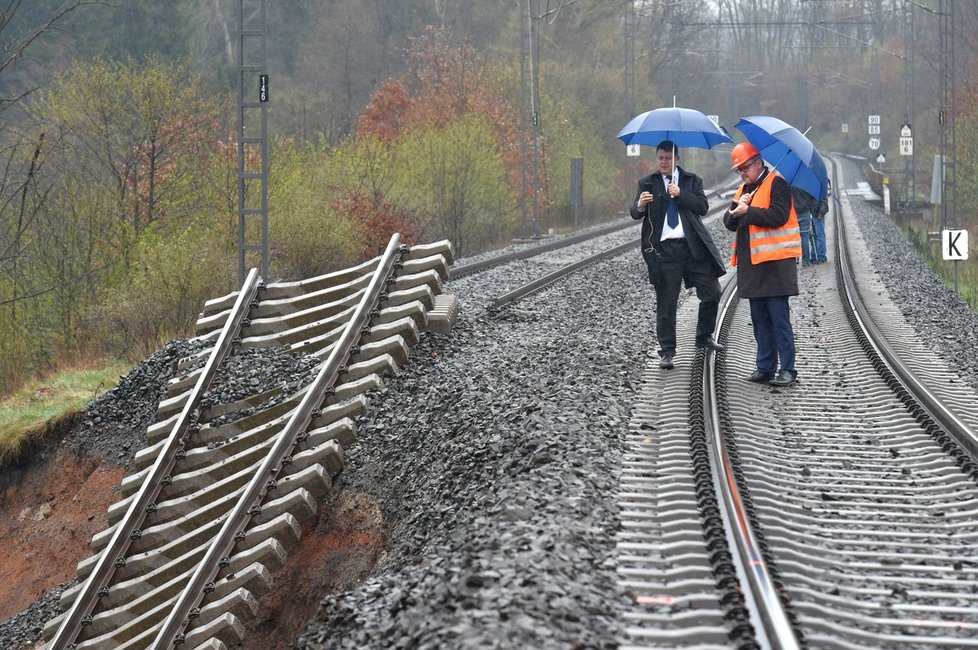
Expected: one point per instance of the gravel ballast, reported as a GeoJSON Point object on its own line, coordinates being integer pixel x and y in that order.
{"type": "Point", "coordinates": [494, 455]}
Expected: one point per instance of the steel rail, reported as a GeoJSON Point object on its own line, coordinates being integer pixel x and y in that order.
{"type": "Point", "coordinates": [113, 556]}
{"type": "Point", "coordinates": [752, 567]}
{"type": "Point", "coordinates": [463, 270]}
{"type": "Point", "coordinates": [554, 276]}
{"type": "Point", "coordinates": [918, 389]}
{"type": "Point", "coordinates": [249, 504]}
{"type": "Point", "coordinates": [470, 268]}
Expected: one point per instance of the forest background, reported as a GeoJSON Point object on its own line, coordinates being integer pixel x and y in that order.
{"type": "Point", "coordinates": [118, 168]}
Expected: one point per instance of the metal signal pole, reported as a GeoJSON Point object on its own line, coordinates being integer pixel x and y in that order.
{"type": "Point", "coordinates": [947, 113]}
{"type": "Point", "coordinates": [947, 119]}
{"type": "Point", "coordinates": [253, 96]}
{"type": "Point", "coordinates": [529, 125]}
{"type": "Point", "coordinates": [909, 183]}
{"type": "Point", "coordinates": [630, 34]}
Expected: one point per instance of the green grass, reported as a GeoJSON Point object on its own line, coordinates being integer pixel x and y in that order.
{"type": "Point", "coordinates": [45, 405]}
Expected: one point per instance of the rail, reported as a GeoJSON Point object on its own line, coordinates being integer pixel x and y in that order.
{"type": "Point", "coordinates": [752, 567]}
{"type": "Point", "coordinates": [127, 530]}
{"type": "Point", "coordinates": [249, 504]}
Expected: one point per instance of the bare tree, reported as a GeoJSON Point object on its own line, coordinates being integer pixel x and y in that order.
{"type": "Point", "coordinates": [14, 51]}
{"type": "Point", "coordinates": [21, 154]}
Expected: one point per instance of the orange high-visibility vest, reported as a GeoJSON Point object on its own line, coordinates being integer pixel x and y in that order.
{"type": "Point", "coordinates": [769, 244]}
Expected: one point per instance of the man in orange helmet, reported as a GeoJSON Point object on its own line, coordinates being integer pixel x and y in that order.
{"type": "Point", "coordinates": [767, 244]}
{"type": "Point", "coordinates": [678, 249]}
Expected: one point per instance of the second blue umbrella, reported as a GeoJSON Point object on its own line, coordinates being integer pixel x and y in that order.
{"type": "Point", "coordinates": [788, 150]}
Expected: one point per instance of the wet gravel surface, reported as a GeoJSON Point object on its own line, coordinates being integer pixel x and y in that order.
{"type": "Point", "coordinates": [494, 454]}
{"type": "Point", "coordinates": [495, 459]}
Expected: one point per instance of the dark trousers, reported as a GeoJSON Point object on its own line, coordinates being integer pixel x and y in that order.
{"type": "Point", "coordinates": [771, 319]}
{"type": "Point", "coordinates": [676, 263]}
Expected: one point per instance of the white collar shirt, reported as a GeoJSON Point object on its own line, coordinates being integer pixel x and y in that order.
{"type": "Point", "coordinates": [669, 232]}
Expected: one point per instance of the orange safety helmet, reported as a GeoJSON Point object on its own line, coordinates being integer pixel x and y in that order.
{"type": "Point", "coordinates": [742, 153]}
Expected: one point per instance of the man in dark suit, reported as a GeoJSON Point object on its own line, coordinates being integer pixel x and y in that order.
{"type": "Point", "coordinates": [677, 247]}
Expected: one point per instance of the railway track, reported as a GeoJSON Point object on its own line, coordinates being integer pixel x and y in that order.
{"type": "Point", "coordinates": [221, 491]}
{"type": "Point", "coordinates": [216, 504]}
{"type": "Point", "coordinates": [577, 262]}
{"type": "Point", "coordinates": [837, 513]}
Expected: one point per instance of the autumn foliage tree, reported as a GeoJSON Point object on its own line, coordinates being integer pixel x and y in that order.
{"type": "Point", "coordinates": [429, 119]}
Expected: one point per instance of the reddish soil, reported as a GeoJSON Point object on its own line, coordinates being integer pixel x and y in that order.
{"type": "Point", "coordinates": [47, 520]}
{"type": "Point", "coordinates": [46, 523]}
{"type": "Point", "coordinates": [338, 550]}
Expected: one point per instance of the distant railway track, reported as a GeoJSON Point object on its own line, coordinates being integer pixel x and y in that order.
{"type": "Point", "coordinates": [213, 509]}
{"type": "Point", "coordinates": [837, 513]}
{"type": "Point", "coordinates": [569, 268]}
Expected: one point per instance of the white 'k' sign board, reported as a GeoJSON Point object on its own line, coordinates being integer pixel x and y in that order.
{"type": "Point", "coordinates": [954, 244]}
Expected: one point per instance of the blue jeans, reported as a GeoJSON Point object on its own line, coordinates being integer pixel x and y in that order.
{"type": "Point", "coordinates": [818, 226]}
{"type": "Point", "coordinates": [805, 226]}
{"type": "Point", "coordinates": [771, 318]}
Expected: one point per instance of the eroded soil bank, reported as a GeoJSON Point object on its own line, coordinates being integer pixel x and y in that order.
{"type": "Point", "coordinates": [50, 511]}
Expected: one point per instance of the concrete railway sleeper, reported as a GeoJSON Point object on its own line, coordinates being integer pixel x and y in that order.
{"type": "Point", "coordinates": [248, 483]}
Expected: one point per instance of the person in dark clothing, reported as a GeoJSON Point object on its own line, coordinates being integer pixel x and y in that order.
{"type": "Point", "coordinates": [677, 248]}
{"type": "Point", "coordinates": [766, 246]}
{"type": "Point", "coordinates": [818, 230]}
{"type": "Point", "coordinates": [805, 207]}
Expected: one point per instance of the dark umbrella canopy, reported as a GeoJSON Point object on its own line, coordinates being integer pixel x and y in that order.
{"type": "Point", "coordinates": [685, 127]}
{"type": "Point", "coordinates": [788, 151]}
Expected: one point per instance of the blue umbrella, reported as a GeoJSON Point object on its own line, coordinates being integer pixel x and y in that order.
{"type": "Point", "coordinates": [685, 127]}
{"type": "Point", "coordinates": [789, 151]}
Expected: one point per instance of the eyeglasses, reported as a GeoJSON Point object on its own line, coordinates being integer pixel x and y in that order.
{"type": "Point", "coordinates": [744, 168]}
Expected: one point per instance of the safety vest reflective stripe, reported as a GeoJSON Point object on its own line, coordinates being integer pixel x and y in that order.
{"type": "Point", "coordinates": [769, 244]}
{"type": "Point", "coordinates": [766, 240]}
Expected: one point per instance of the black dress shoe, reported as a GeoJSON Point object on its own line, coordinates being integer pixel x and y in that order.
{"type": "Point", "coordinates": [760, 377]}
{"type": "Point", "coordinates": [784, 378]}
{"type": "Point", "coordinates": [710, 344]}
{"type": "Point", "coordinates": [666, 362]}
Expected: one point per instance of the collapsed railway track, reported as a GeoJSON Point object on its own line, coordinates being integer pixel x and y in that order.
{"type": "Point", "coordinates": [213, 508]}
{"type": "Point", "coordinates": [837, 513]}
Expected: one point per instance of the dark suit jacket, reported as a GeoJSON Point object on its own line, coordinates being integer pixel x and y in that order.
{"type": "Point", "coordinates": [692, 204]}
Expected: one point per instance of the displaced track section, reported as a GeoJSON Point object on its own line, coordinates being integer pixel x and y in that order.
{"type": "Point", "coordinates": [218, 501]}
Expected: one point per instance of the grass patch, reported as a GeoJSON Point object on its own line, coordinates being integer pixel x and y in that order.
{"type": "Point", "coordinates": [43, 406]}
